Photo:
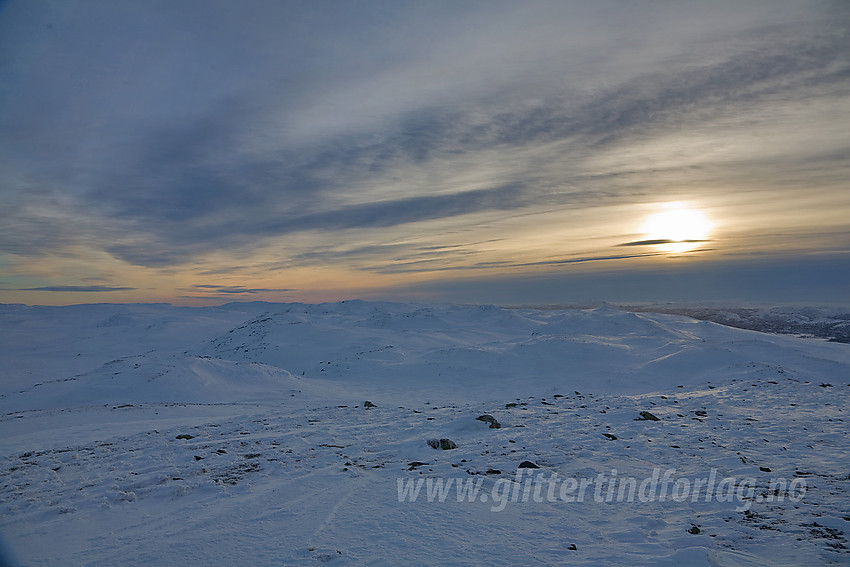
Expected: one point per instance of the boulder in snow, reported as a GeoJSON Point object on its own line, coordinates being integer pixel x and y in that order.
{"type": "Point", "coordinates": [444, 444]}
{"type": "Point", "coordinates": [487, 418]}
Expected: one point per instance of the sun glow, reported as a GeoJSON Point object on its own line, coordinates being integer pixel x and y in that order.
{"type": "Point", "coordinates": [678, 228]}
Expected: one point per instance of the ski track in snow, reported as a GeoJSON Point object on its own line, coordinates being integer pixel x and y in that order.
{"type": "Point", "coordinates": [175, 436]}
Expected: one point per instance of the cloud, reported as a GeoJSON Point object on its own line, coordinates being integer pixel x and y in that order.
{"type": "Point", "coordinates": [77, 288]}
{"type": "Point", "coordinates": [403, 211]}
{"type": "Point", "coordinates": [659, 241]}
{"type": "Point", "coordinates": [428, 264]}
{"type": "Point", "coordinates": [181, 243]}
{"type": "Point", "coordinates": [369, 135]}
{"type": "Point", "coordinates": [234, 289]}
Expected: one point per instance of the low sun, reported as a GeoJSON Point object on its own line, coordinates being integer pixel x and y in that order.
{"type": "Point", "coordinates": [677, 228]}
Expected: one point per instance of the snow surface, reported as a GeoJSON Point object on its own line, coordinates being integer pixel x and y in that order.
{"type": "Point", "coordinates": [154, 434]}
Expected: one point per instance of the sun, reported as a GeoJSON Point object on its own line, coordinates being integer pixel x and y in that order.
{"type": "Point", "coordinates": [678, 228]}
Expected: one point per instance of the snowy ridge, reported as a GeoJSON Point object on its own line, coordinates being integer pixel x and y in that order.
{"type": "Point", "coordinates": [832, 323]}
{"type": "Point", "coordinates": [239, 433]}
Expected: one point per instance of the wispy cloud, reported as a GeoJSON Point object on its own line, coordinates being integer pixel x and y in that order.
{"type": "Point", "coordinates": [77, 288]}
{"type": "Point", "coordinates": [659, 241]}
{"type": "Point", "coordinates": [403, 138]}
{"type": "Point", "coordinates": [235, 289]}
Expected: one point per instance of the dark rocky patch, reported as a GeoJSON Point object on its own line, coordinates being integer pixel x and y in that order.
{"type": "Point", "coordinates": [487, 418]}
{"type": "Point", "coordinates": [444, 444]}
{"type": "Point", "coordinates": [647, 416]}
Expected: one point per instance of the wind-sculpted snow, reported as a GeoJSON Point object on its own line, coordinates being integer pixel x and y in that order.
{"type": "Point", "coordinates": [240, 434]}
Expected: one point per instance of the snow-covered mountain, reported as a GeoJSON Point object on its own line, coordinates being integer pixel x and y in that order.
{"type": "Point", "coordinates": [154, 434]}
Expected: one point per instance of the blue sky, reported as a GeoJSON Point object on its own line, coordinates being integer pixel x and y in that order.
{"type": "Point", "coordinates": [199, 152]}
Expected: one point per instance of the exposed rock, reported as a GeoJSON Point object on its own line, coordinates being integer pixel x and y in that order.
{"type": "Point", "coordinates": [646, 416]}
{"type": "Point", "coordinates": [412, 465]}
{"type": "Point", "coordinates": [444, 444]}
{"type": "Point", "coordinates": [487, 418]}
{"type": "Point", "coordinates": [185, 436]}
{"type": "Point", "coordinates": [527, 465]}
{"type": "Point", "coordinates": [367, 404]}
{"type": "Point", "coordinates": [609, 436]}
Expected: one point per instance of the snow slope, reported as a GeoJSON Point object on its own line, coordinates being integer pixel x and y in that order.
{"type": "Point", "coordinates": [152, 434]}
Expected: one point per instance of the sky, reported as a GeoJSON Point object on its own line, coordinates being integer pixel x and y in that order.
{"type": "Point", "coordinates": [201, 152]}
